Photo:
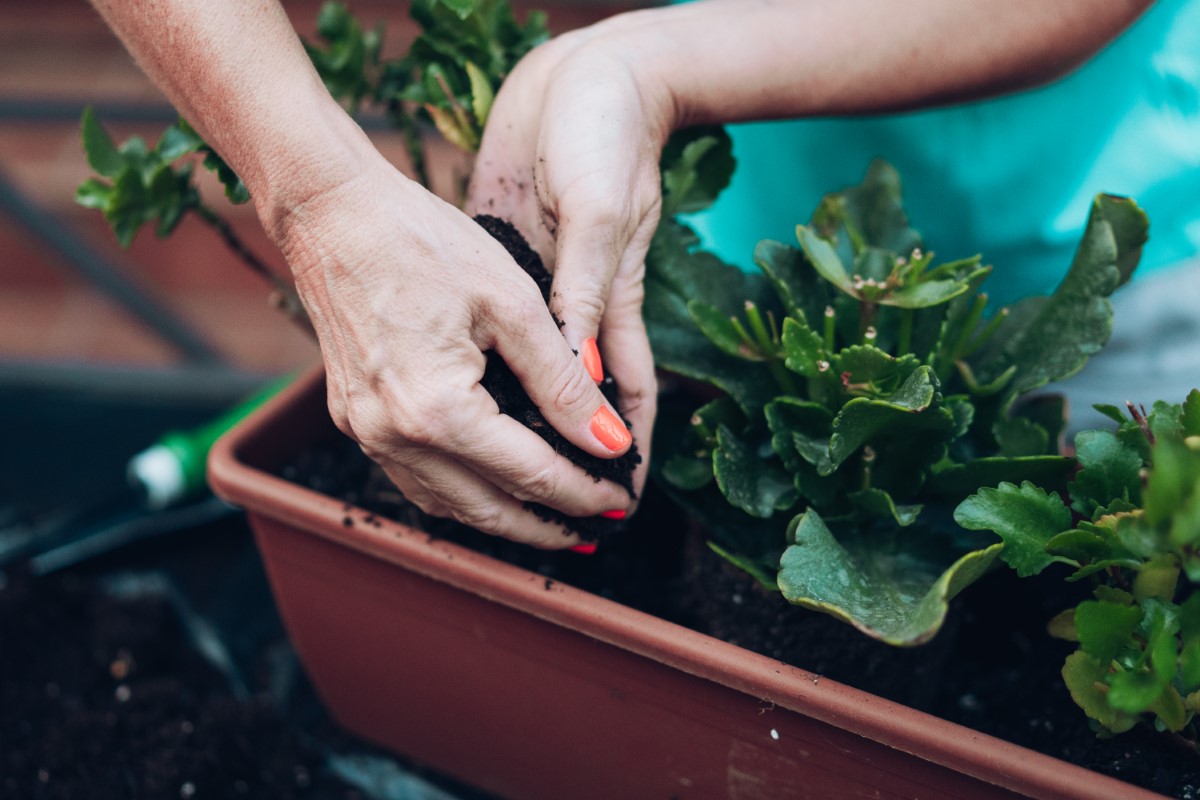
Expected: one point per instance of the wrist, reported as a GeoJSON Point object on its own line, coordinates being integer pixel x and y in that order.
{"type": "Point", "coordinates": [317, 152]}
{"type": "Point", "coordinates": [638, 40]}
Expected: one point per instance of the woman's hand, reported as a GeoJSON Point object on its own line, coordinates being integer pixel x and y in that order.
{"type": "Point", "coordinates": [406, 294]}
{"type": "Point", "coordinates": [570, 156]}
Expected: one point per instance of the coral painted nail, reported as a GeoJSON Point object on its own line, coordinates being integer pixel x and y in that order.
{"type": "Point", "coordinates": [586, 549]}
{"type": "Point", "coordinates": [590, 355]}
{"type": "Point", "coordinates": [608, 428]}
{"type": "Point", "coordinates": [616, 513]}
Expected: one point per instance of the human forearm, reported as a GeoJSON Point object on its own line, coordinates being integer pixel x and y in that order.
{"type": "Point", "coordinates": [733, 60]}
{"type": "Point", "coordinates": [236, 70]}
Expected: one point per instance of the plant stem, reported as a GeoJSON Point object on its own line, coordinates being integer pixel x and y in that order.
{"type": "Point", "coordinates": [285, 297]}
{"type": "Point", "coordinates": [769, 348]}
{"type": "Point", "coordinates": [968, 327]}
{"type": "Point", "coordinates": [866, 317]}
{"type": "Point", "coordinates": [906, 329]}
{"type": "Point", "coordinates": [761, 336]}
{"type": "Point", "coordinates": [980, 340]}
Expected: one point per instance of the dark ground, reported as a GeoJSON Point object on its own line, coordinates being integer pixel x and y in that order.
{"type": "Point", "coordinates": [161, 669]}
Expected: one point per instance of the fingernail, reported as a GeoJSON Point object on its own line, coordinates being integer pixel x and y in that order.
{"type": "Point", "coordinates": [608, 428]}
{"type": "Point", "coordinates": [590, 355]}
{"type": "Point", "coordinates": [586, 549]}
{"type": "Point", "coordinates": [616, 513]}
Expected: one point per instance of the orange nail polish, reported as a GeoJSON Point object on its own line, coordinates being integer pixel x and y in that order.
{"type": "Point", "coordinates": [586, 549]}
{"type": "Point", "coordinates": [608, 428]}
{"type": "Point", "coordinates": [616, 513]}
{"type": "Point", "coordinates": [590, 355]}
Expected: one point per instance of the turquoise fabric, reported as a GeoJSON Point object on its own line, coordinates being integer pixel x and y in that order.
{"type": "Point", "coordinates": [1010, 177]}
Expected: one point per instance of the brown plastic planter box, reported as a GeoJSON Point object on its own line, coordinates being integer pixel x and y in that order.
{"type": "Point", "coordinates": [529, 688]}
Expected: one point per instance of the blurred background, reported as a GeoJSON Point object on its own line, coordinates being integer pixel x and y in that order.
{"type": "Point", "coordinates": [69, 295]}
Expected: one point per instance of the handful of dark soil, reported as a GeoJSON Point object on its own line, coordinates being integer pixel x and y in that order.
{"type": "Point", "coordinates": [510, 396]}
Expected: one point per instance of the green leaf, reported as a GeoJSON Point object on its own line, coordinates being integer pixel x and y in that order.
{"type": "Point", "coordinates": [463, 8]}
{"type": "Point", "coordinates": [696, 165]}
{"type": "Point", "coordinates": [906, 414]}
{"type": "Point", "coordinates": [1135, 691]}
{"type": "Point", "coordinates": [1085, 679]}
{"type": "Point", "coordinates": [1050, 338]}
{"type": "Point", "coordinates": [1130, 229]}
{"type": "Point", "coordinates": [1112, 412]}
{"type": "Point", "coordinates": [1191, 414]}
{"type": "Point", "coordinates": [482, 95]}
{"type": "Point", "coordinates": [102, 154]}
{"type": "Point", "coordinates": [235, 191]}
{"type": "Point", "coordinates": [1170, 710]}
{"type": "Point", "coordinates": [1106, 629]}
{"type": "Point", "coordinates": [690, 467]}
{"type": "Point", "coordinates": [1020, 436]}
{"type": "Point", "coordinates": [763, 573]}
{"type": "Point", "coordinates": [176, 142]}
{"type": "Point", "coordinates": [756, 485]}
{"type": "Point", "coordinates": [926, 293]}
{"type": "Point", "coordinates": [893, 587]}
{"type": "Point", "coordinates": [788, 416]}
{"type": "Point", "coordinates": [677, 274]}
{"type": "Point", "coordinates": [1171, 484]}
{"type": "Point", "coordinates": [803, 293]}
{"type": "Point", "coordinates": [1189, 618]}
{"type": "Point", "coordinates": [1189, 667]}
{"type": "Point", "coordinates": [955, 482]}
{"type": "Point", "coordinates": [868, 364]}
{"type": "Point", "coordinates": [1062, 626]}
{"type": "Point", "coordinates": [1109, 470]}
{"type": "Point", "coordinates": [1088, 543]}
{"type": "Point", "coordinates": [872, 211]}
{"type": "Point", "coordinates": [722, 331]}
{"type": "Point", "coordinates": [825, 259]}
{"type": "Point", "coordinates": [879, 503]}
{"type": "Point", "coordinates": [687, 473]}
{"type": "Point", "coordinates": [1157, 578]}
{"type": "Point", "coordinates": [1026, 518]}
{"type": "Point", "coordinates": [94, 193]}
{"type": "Point", "coordinates": [803, 348]}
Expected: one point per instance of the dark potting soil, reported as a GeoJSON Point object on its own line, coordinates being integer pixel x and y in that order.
{"type": "Point", "coordinates": [104, 697]}
{"type": "Point", "coordinates": [992, 668]}
{"type": "Point", "coordinates": [505, 388]}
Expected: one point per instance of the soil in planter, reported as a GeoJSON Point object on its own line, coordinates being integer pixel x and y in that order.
{"type": "Point", "coordinates": [992, 668]}
{"type": "Point", "coordinates": [504, 387]}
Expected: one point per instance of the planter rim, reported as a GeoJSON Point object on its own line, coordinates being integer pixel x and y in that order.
{"type": "Point", "coordinates": [916, 732]}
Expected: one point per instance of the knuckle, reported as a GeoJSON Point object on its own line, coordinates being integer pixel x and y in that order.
{"type": "Point", "coordinates": [542, 486]}
{"type": "Point", "coordinates": [486, 517]}
{"type": "Point", "coordinates": [518, 308]}
{"type": "Point", "coordinates": [583, 304]}
{"type": "Point", "coordinates": [574, 389]}
{"type": "Point", "coordinates": [421, 421]}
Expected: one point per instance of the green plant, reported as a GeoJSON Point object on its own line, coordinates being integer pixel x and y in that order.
{"type": "Point", "coordinates": [449, 76]}
{"type": "Point", "coordinates": [864, 392]}
{"type": "Point", "coordinates": [1129, 524]}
